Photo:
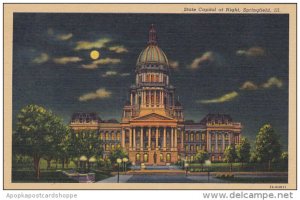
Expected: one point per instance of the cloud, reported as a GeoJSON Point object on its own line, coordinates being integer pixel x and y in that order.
{"type": "Point", "coordinates": [85, 45]}
{"type": "Point", "coordinates": [251, 52]}
{"type": "Point", "coordinates": [110, 73]}
{"type": "Point", "coordinates": [101, 93]}
{"type": "Point", "coordinates": [66, 60]}
{"type": "Point", "coordinates": [104, 61]}
{"type": "Point", "coordinates": [64, 36]}
{"type": "Point", "coordinates": [42, 58]}
{"type": "Point", "coordinates": [125, 74]}
{"type": "Point", "coordinates": [249, 85]}
{"type": "Point", "coordinates": [118, 49]}
{"type": "Point", "coordinates": [174, 64]}
{"type": "Point", "coordinates": [226, 97]}
{"type": "Point", "coordinates": [272, 82]}
{"type": "Point", "coordinates": [204, 58]}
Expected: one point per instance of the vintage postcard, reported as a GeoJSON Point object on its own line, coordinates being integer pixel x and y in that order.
{"type": "Point", "coordinates": [150, 96]}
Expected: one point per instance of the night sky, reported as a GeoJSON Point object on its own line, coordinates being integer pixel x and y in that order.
{"type": "Point", "coordinates": [233, 64]}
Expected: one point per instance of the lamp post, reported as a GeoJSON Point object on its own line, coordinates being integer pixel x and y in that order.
{"type": "Point", "coordinates": [208, 163]}
{"type": "Point", "coordinates": [186, 165]}
{"type": "Point", "coordinates": [125, 160]}
{"type": "Point", "coordinates": [119, 160]}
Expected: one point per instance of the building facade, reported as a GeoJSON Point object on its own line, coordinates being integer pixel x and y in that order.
{"type": "Point", "coordinates": [152, 129]}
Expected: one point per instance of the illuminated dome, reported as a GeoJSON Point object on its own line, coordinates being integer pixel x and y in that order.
{"type": "Point", "coordinates": [152, 54]}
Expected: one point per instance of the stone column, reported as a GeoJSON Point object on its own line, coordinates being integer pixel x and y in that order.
{"type": "Point", "coordinates": [156, 138]}
{"type": "Point", "coordinates": [223, 141]}
{"type": "Point", "coordinates": [216, 142]}
{"type": "Point", "coordinates": [181, 132]}
{"type": "Point", "coordinates": [208, 141]}
{"type": "Point", "coordinates": [142, 138]}
{"type": "Point", "coordinates": [130, 138]}
{"type": "Point", "coordinates": [149, 138]}
{"type": "Point", "coordinates": [165, 138]}
{"type": "Point", "coordinates": [176, 137]}
{"type": "Point", "coordinates": [134, 142]}
{"type": "Point", "coordinates": [172, 139]}
{"type": "Point", "coordinates": [154, 91]}
{"type": "Point", "coordinates": [229, 135]}
{"type": "Point", "coordinates": [123, 138]}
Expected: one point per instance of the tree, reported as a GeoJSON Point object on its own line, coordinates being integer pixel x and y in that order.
{"type": "Point", "coordinates": [85, 143]}
{"type": "Point", "coordinates": [117, 153]}
{"type": "Point", "coordinates": [284, 156]}
{"type": "Point", "coordinates": [267, 148]}
{"type": "Point", "coordinates": [36, 134]}
{"type": "Point", "coordinates": [243, 150]}
{"type": "Point", "coordinates": [230, 155]}
{"type": "Point", "coordinates": [201, 157]}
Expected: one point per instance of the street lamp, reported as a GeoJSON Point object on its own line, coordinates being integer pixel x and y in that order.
{"type": "Point", "coordinates": [119, 160]}
{"type": "Point", "coordinates": [186, 165]}
{"type": "Point", "coordinates": [125, 160]}
{"type": "Point", "coordinates": [208, 163]}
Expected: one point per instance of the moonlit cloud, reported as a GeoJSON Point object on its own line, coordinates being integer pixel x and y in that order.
{"type": "Point", "coordinates": [42, 58]}
{"type": "Point", "coordinates": [85, 45]}
{"type": "Point", "coordinates": [174, 64]}
{"type": "Point", "coordinates": [118, 49]}
{"type": "Point", "coordinates": [110, 73]}
{"type": "Point", "coordinates": [104, 61]}
{"type": "Point", "coordinates": [64, 36]}
{"type": "Point", "coordinates": [273, 82]}
{"type": "Point", "coordinates": [66, 60]}
{"type": "Point", "coordinates": [226, 97]}
{"type": "Point", "coordinates": [125, 74]}
{"type": "Point", "coordinates": [101, 93]}
{"type": "Point", "coordinates": [251, 52]}
{"type": "Point", "coordinates": [204, 58]}
{"type": "Point", "coordinates": [249, 85]}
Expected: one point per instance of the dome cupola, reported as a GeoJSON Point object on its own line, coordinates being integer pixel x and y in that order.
{"type": "Point", "coordinates": [152, 55]}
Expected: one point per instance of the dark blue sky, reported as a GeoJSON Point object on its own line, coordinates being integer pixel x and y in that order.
{"type": "Point", "coordinates": [234, 64]}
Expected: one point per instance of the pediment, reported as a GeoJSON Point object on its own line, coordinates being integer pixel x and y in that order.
{"type": "Point", "coordinates": [152, 117]}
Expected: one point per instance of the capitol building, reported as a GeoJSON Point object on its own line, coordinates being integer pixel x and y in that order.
{"type": "Point", "coordinates": [153, 130]}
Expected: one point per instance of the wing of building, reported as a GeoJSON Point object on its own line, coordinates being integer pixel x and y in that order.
{"type": "Point", "coordinates": [152, 129]}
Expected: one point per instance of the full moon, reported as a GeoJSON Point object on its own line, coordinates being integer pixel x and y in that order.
{"type": "Point", "coordinates": [94, 54]}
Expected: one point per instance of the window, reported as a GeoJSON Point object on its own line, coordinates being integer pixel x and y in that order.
{"type": "Point", "coordinates": [157, 97]}
{"type": "Point", "coordinates": [197, 136]}
{"type": "Point", "coordinates": [106, 136]}
{"type": "Point", "coordinates": [138, 157]}
{"type": "Point", "coordinates": [192, 137]}
{"type": "Point", "coordinates": [161, 157]}
{"type": "Point", "coordinates": [212, 147]}
{"type": "Point", "coordinates": [192, 147]}
{"type": "Point", "coordinates": [119, 136]}
{"type": "Point", "coordinates": [152, 78]}
{"type": "Point", "coordinates": [212, 158]}
{"type": "Point", "coordinates": [119, 146]}
{"type": "Point", "coordinates": [192, 158]}
{"type": "Point", "coordinates": [107, 147]}
{"type": "Point", "coordinates": [213, 136]}
{"type": "Point", "coordinates": [145, 157]}
{"type": "Point", "coordinates": [113, 136]}
{"type": "Point", "coordinates": [203, 136]}
{"type": "Point", "coordinates": [148, 78]}
{"type": "Point", "coordinates": [197, 147]}
{"type": "Point", "coordinates": [168, 157]}
{"type": "Point", "coordinates": [101, 136]}
{"type": "Point", "coordinates": [186, 147]}
{"type": "Point", "coordinates": [112, 147]}
{"type": "Point", "coordinates": [220, 137]}
{"type": "Point", "coordinates": [156, 78]}
{"type": "Point", "coordinates": [219, 148]}
{"type": "Point", "coordinates": [226, 137]}
{"type": "Point", "coordinates": [186, 137]}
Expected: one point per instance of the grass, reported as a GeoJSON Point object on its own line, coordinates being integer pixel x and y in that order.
{"type": "Point", "coordinates": [236, 167]}
{"type": "Point", "coordinates": [46, 176]}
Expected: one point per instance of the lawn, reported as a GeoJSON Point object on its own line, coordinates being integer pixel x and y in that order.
{"type": "Point", "coordinates": [46, 176]}
{"type": "Point", "coordinates": [237, 167]}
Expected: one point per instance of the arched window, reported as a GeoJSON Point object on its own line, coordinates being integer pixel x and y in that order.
{"type": "Point", "coordinates": [152, 78]}
{"type": "Point", "coordinates": [113, 136]}
{"type": "Point", "coordinates": [203, 136]}
{"type": "Point", "coordinates": [138, 157]}
{"type": "Point", "coordinates": [112, 147]}
{"type": "Point", "coordinates": [106, 136]}
{"type": "Point", "coordinates": [107, 147]}
{"type": "Point", "coordinates": [226, 137]}
{"type": "Point", "coordinates": [186, 147]}
{"type": "Point", "coordinates": [119, 136]}
{"type": "Point", "coordinates": [145, 157]}
{"type": "Point", "coordinates": [192, 137]}
{"type": "Point", "coordinates": [161, 157]}
{"type": "Point", "coordinates": [101, 136]}
{"type": "Point", "coordinates": [156, 78]}
{"type": "Point", "coordinates": [168, 157]}
{"type": "Point", "coordinates": [192, 158]}
{"type": "Point", "coordinates": [186, 137]}
{"type": "Point", "coordinates": [219, 136]}
{"type": "Point", "coordinates": [197, 136]}
{"type": "Point", "coordinates": [148, 78]}
{"type": "Point", "coordinates": [197, 147]}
